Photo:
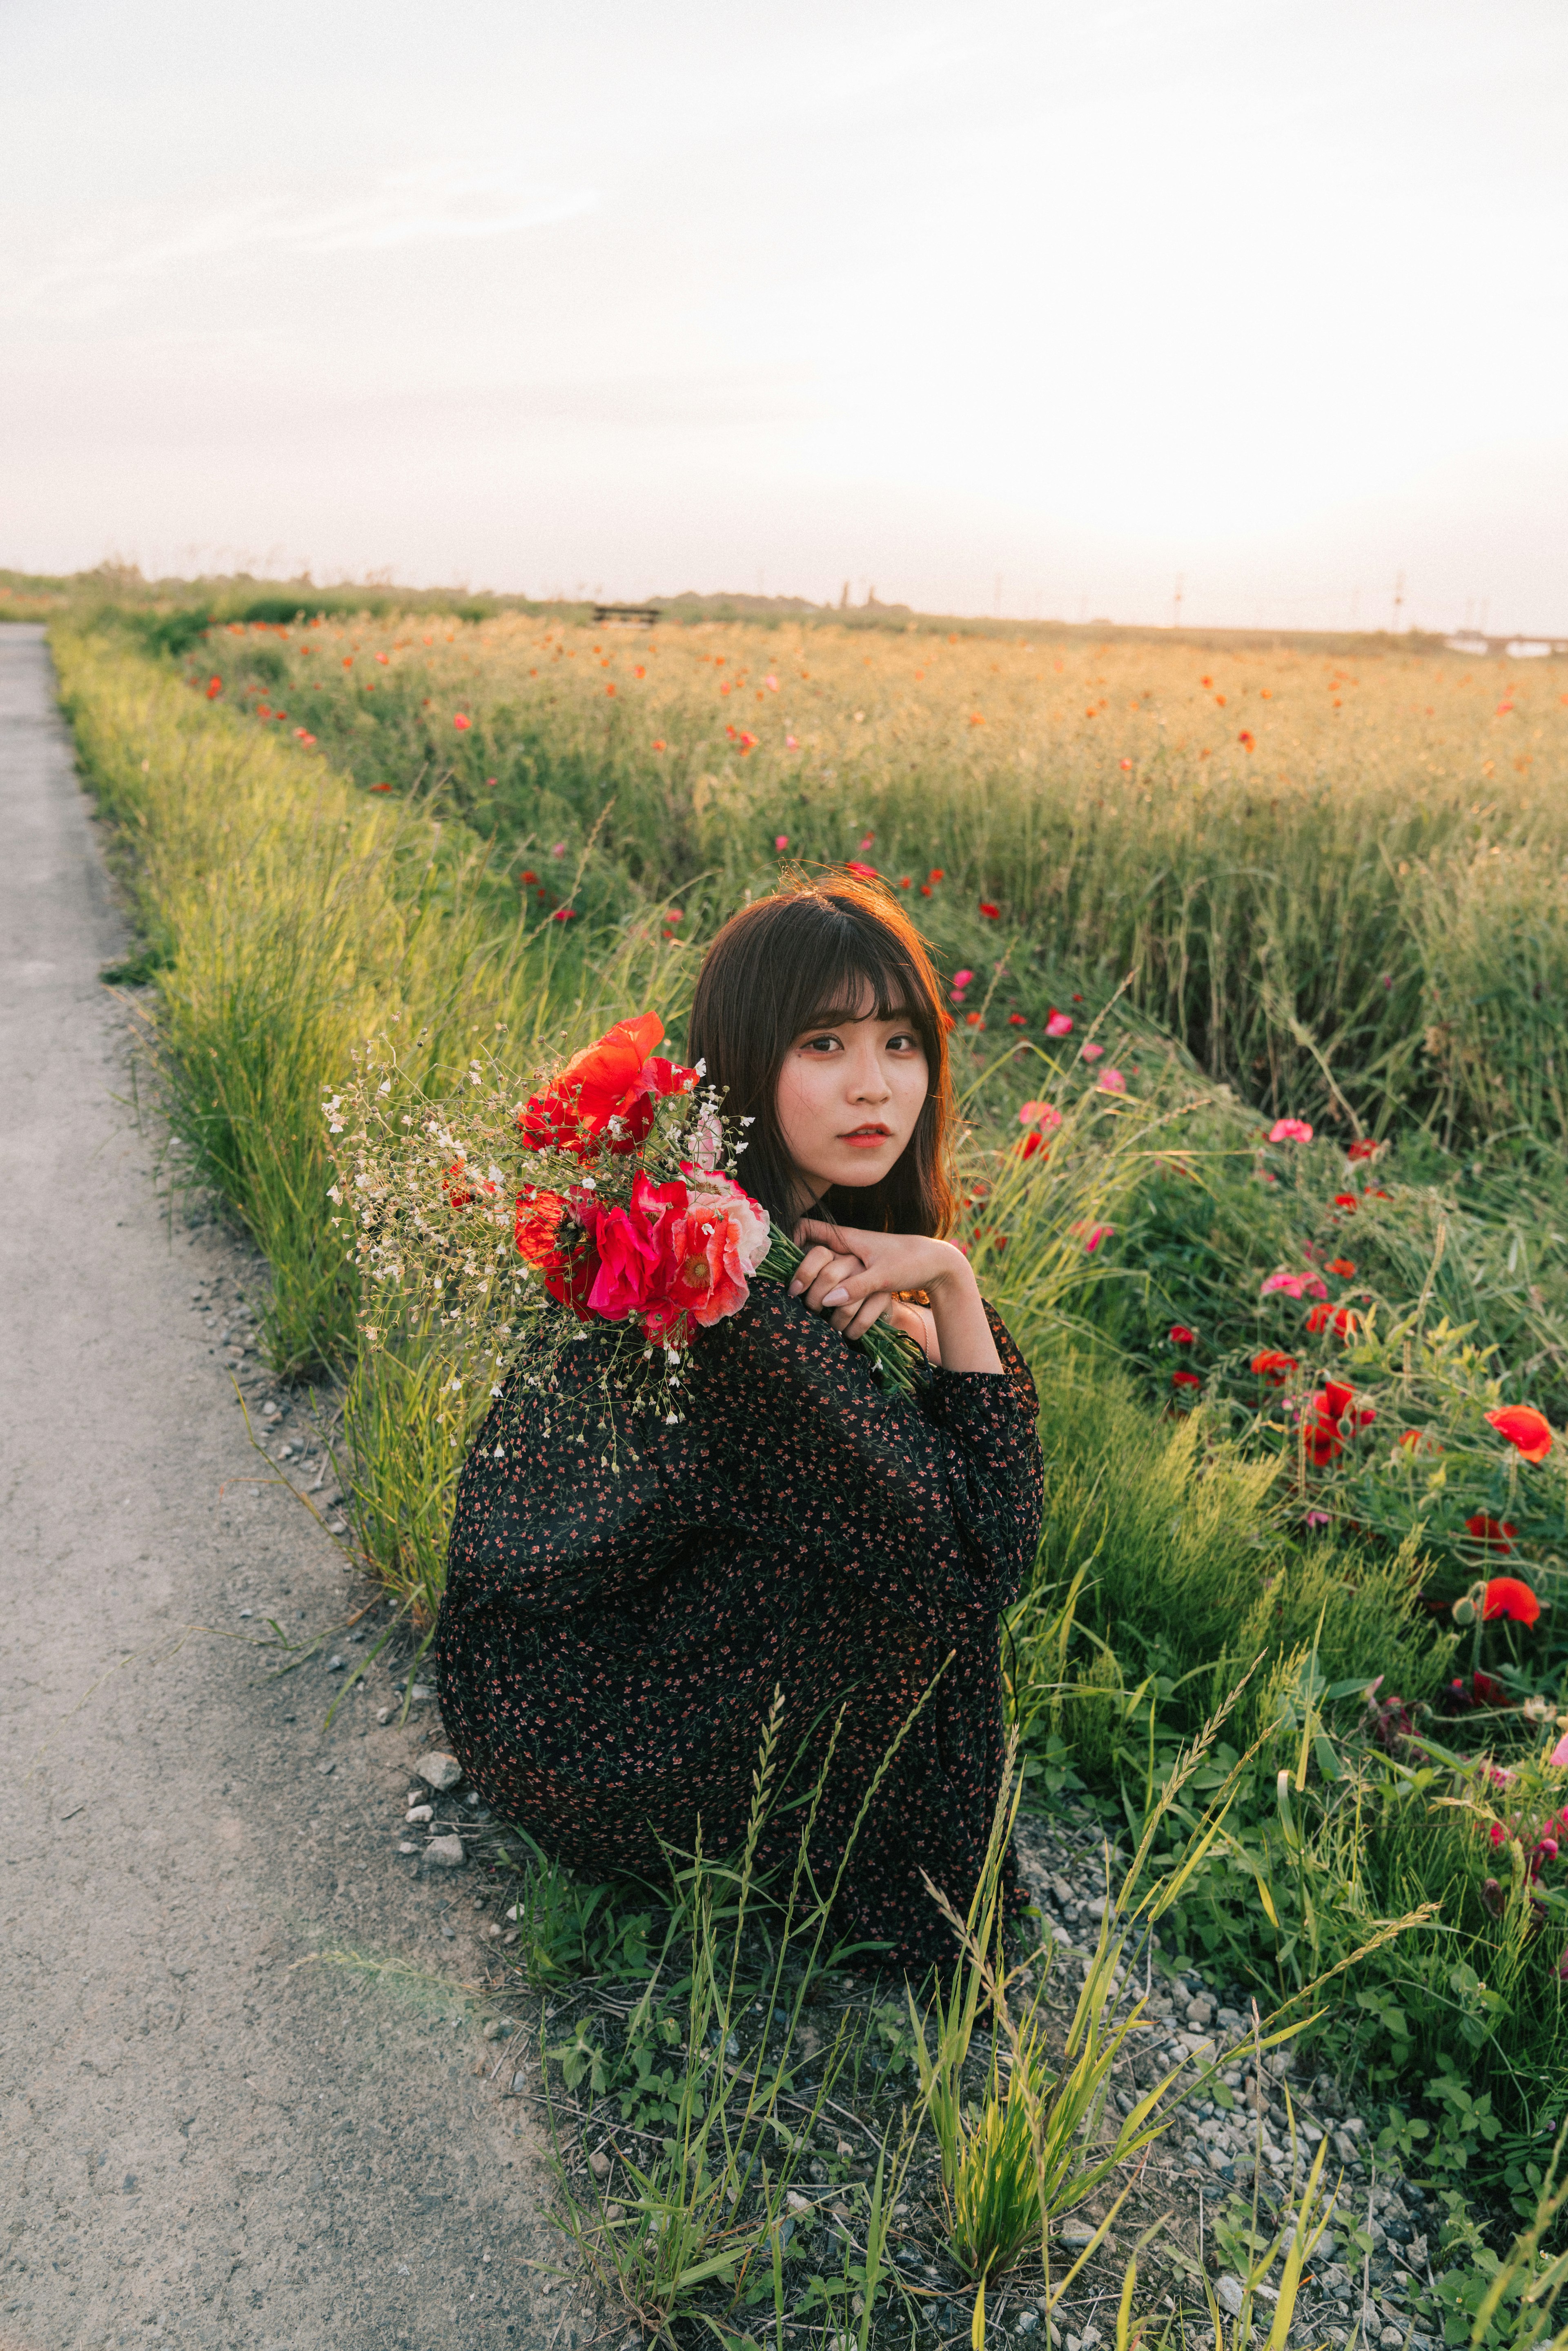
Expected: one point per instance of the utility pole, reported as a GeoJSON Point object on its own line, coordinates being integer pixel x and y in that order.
{"type": "Point", "coordinates": [1398, 601]}
{"type": "Point", "coordinates": [1175, 599]}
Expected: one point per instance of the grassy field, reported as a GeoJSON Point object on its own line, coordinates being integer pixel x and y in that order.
{"type": "Point", "coordinates": [1180, 896]}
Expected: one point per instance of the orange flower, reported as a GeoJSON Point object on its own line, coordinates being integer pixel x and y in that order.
{"type": "Point", "coordinates": [1341, 1266]}
{"type": "Point", "coordinates": [1273, 1366]}
{"type": "Point", "coordinates": [1522, 1426]}
{"type": "Point", "coordinates": [1245, 738]}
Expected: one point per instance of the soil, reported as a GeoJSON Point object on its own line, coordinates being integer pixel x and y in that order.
{"type": "Point", "coordinates": [213, 2130]}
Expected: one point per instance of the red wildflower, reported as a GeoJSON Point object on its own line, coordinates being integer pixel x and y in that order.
{"type": "Point", "coordinates": [1345, 1200]}
{"type": "Point", "coordinates": [992, 913]}
{"type": "Point", "coordinates": [1507, 1596]}
{"type": "Point", "coordinates": [1015, 1020]}
{"type": "Point", "coordinates": [1340, 1317]}
{"type": "Point", "coordinates": [748, 743]}
{"type": "Point", "coordinates": [214, 687]}
{"type": "Point", "coordinates": [658, 743]}
{"type": "Point", "coordinates": [1180, 1336]}
{"type": "Point", "coordinates": [1320, 1436]}
{"type": "Point", "coordinates": [1363, 1148]}
{"type": "Point", "coordinates": [1186, 1380]}
{"type": "Point", "coordinates": [1496, 1534]}
{"type": "Point", "coordinates": [1273, 1367]}
{"type": "Point", "coordinates": [461, 723]}
{"type": "Point", "coordinates": [380, 787]}
{"type": "Point", "coordinates": [936, 874]}
{"type": "Point", "coordinates": [1522, 1426]}
{"type": "Point", "coordinates": [1341, 1266]}
{"type": "Point", "coordinates": [530, 877]}
{"type": "Point", "coordinates": [866, 872]}
{"type": "Point", "coordinates": [1245, 738]}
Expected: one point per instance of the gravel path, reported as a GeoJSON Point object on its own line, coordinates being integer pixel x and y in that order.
{"type": "Point", "coordinates": [202, 2141]}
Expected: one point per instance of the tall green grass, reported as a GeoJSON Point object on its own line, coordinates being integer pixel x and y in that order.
{"type": "Point", "coordinates": [1335, 883]}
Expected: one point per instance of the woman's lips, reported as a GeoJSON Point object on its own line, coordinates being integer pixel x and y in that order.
{"type": "Point", "coordinates": [866, 1138]}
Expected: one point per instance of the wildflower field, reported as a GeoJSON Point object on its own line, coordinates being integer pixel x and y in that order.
{"type": "Point", "coordinates": [1257, 960]}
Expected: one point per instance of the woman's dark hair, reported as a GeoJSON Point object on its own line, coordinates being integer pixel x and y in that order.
{"type": "Point", "coordinates": [786, 963]}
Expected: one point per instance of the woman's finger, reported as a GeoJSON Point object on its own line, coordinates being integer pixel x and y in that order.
{"type": "Point", "coordinates": [854, 1322]}
{"type": "Point", "coordinates": [813, 1263]}
{"type": "Point", "coordinates": [837, 1271]}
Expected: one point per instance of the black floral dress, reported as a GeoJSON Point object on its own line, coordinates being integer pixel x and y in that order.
{"type": "Point", "coordinates": [611, 1641]}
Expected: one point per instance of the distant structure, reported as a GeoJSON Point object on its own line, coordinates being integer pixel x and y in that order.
{"type": "Point", "coordinates": [625, 616]}
{"type": "Point", "coordinates": [1471, 641]}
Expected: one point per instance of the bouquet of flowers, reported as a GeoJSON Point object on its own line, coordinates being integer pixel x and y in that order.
{"type": "Point", "coordinates": [605, 1205]}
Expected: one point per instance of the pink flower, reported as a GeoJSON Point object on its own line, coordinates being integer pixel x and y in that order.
{"type": "Point", "coordinates": [962, 978]}
{"type": "Point", "coordinates": [1092, 1053]}
{"type": "Point", "coordinates": [557, 849]}
{"type": "Point", "coordinates": [780, 840]}
{"type": "Point", "coordinates": [1559, 1755]}
{"type": "Point", "coordinates": [1296, 1285]}
{"type": "Point", "coordinates": [866, 843]}
{"type": "Point", "coordinates": [1059, 1024]}
{"type": "Point", "coordinates": [1091, 1235]}
{"type": "Point", "coordinates": [1111, 1082]}
{"type": "Point", "coordinates": [771, 683]}
{"type": "Point", "coordinates": [719, 1238]}
{"type": "Point", "coordinates": [1290, 1130]}
{"type": "Point", "coordinates": [462, 724]}
{"type": "Point", "coordinates": [1320, 1519]}
{"type": "Point", "coordinates": [791, 743]}
{"type": "Point", "coordinates": [1039, 1113]}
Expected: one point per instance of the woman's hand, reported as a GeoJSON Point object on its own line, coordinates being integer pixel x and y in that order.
{"type": "Point", "coordinates": [853, 1276]}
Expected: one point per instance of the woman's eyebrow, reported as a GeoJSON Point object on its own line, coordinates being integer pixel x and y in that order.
{"type": "Point", "coordinates": [845, 1018]}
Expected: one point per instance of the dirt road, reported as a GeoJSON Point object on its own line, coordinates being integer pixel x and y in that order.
{"type": "Point", "coordinates": [202, 2141]}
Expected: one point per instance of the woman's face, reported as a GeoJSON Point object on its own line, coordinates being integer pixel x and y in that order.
{"type": "Point", "coordinates": [850, 1092]}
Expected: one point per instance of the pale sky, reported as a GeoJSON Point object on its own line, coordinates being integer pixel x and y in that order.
{"type": "Point", "coordinates": [1042, 301]}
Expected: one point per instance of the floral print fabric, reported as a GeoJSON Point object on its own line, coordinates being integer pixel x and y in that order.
{"type": "Point", "coordinates": [611, 1641]}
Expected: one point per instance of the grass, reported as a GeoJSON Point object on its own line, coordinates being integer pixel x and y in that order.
{"type": "Point", "coordinates": [1338, 881]}
{"type": "Point", "coordinates": [1221, 918]}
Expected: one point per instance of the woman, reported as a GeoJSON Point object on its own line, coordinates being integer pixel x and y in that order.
{"type": "Point", "coordinates": [611, 1641]}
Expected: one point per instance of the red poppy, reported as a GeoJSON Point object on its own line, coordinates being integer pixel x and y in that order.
{"type": "Point", "coordinates": [214, 687]}
{"type": "Point", "coordinates": [1273, 1367]}
{"type": "Point", "coordinates": [530, 877]}
{"type": "Point", "coordinates": [1524, 1426]}
{"type": "Point", "coordinates": [1180, 1336]}
{"type": "Point", "coordinates": [461, 723]}
{"type": "Point", "coordinates": [564, 915]}
{"type": "Point", "coordinates": [1320, 1439]}
{"type": "Point", "coordinates": [1370, 1194]}
{"type": "Point", "coordinates": [1496, 1534]}
{"type": "Point", "coordinates": [1015, 1020]}
{"type": "Point", "coordinates": [1345, 1200]}
{"type": "Point", "coordinates": [658, 743]}
{"type": "Point", "coordinates": [1341, 1266]}
{"type": "Point", "coordinates": [1245, 738]}
{"type": "Point", "coordinates": [936, 874]}
{"type": "Point", "coordinates": [1363, 1148]}
{"type": "Point", "coordinates": [992, 913]}
{"type": "Point", "coordinates": [1507, 1596]}
{"type": "Point", "coordinates": [1186, 1380]}
{"type": "Point", "coordinates": [380, 787]}
{"type": "Point", "coordinates": [907, 883]}
{"type": "Point", "coordinates": [1027, 1145]}
{"type": "Point", "coordinates": [1341, 1318]}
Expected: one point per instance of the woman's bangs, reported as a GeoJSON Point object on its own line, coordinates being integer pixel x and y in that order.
{"type": "Point", "coordinates": [841, 989]}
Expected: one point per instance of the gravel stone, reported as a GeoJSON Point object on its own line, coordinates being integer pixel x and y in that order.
{"type": "Point", "coordinates": [439, 1771]}
{"type": "Point", "coordinates": [445, 1851]}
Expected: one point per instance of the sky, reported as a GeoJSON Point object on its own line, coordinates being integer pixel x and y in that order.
{"type": "Point", "coordinates": [1054, 310]}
